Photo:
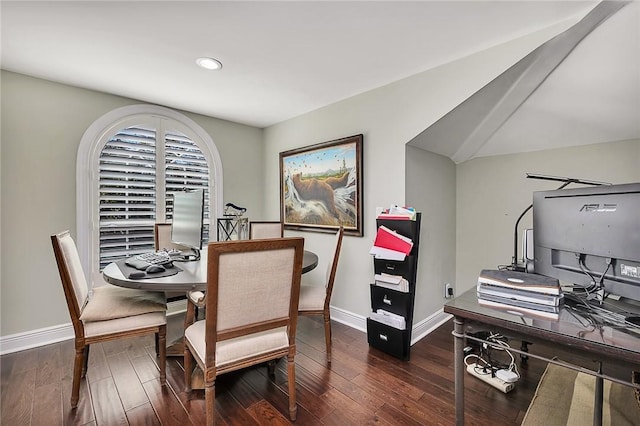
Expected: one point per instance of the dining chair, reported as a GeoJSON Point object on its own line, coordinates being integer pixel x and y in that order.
{"type": "Point", "coordinates": [162, 238]}
{"type": "Point", "coordinates": [265, 229]}
{"type": "Point", "coordinates": [315, 299]}
{"type": "Point", "coordinates": [105, 313]}
{"type": "Point", "coordinates": [252, 296]}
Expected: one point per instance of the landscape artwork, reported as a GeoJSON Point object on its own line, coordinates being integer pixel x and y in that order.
{"type": "Point", "coordinates": [321, 186]}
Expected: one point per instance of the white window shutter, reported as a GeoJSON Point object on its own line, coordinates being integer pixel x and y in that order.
{"type": "Point", "coordinates": [129, 182]}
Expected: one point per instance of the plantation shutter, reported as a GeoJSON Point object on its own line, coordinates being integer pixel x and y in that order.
{"type": "Point", "coordinates": [130, 184]}
{"type": "Point", "coordinates": [185, 169]}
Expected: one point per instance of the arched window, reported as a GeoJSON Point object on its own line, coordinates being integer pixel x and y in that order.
{"type": "Point", "coordinates": [130, 163]}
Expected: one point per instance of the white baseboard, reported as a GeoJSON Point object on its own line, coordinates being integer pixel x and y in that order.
{"type": "Point", "coordinates": [49, 335]}
{"type": "Point", "coordinates": [427, 325]}
{"type": "Point", "coordinates": [419, 331]}
{"type": "Point", "coordinates": [35, 338]}
{"type": "Point", "coordinates": [58, 333]}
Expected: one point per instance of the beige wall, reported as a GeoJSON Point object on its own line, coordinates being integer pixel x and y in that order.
{"type": "Point", "coordinates": [431, 189]}
{"type": "Point", "coordinates": [388, 117]}
{"type": "Point", "coordinates": [42, 124]}
{"type": "Point", "coordinates": [493, 191]}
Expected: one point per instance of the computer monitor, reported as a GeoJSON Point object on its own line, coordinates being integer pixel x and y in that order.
{"type": "Point", "coordinates": [590, 235]}
{"type": "Point", "coordinates": [187, 223]}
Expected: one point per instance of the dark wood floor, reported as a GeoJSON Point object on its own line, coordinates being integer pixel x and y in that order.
{"type": "Point", "coordinates": [361, 386]}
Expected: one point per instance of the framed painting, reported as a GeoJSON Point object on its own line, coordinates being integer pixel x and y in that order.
{"type": "Point", "coordinates": [321, 186]}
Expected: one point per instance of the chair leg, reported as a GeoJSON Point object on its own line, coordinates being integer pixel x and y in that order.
{"type": "Point", "coordinates": [85, 364]}
{"type": "Point", "coordinates": [291, 376]}
{"type": "Point", "coordinates": [210, 402]}
{"type": "Point", "coordinates": [327, 335]}
{"type": "Point", "coordinates": [161, 337]}
{"type": "Point", "coordinates": [157, 343]}
{"type": "Point", "coordinates": [188, 368]}
{"type": "Point", "coordinates": [77, 373]}
{"type": "Point", "coordinates": [271, 369]}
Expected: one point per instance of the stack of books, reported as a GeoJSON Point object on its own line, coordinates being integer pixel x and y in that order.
{"type": "Point", "coordinates": [526, 294]}
{"type": "Point", "coordinates": [390, 245]}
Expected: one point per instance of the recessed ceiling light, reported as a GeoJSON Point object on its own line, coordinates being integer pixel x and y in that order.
{"type": "Point", "coordinates": [209, 63]}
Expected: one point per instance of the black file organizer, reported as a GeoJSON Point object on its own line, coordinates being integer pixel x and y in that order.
{"type": "Point", "coordinates": [388, 339]}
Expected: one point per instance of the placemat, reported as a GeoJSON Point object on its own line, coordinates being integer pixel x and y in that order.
{"type": "Point", "coordinates": [126, 270]}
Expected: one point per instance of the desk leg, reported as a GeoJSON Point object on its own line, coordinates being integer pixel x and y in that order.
{"type": "Point", "coordinates": [598, 395]}
{"type": "Point", "coordinates": [459, 368]}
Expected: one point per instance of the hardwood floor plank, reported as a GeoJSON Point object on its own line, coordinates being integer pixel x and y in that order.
{"type": "Point", "coordinates": [244, 394]}
{"type": "Point", "coordinates": [166, 404]}
{"type": "Point", "coordinates": [49, 365]}
{"type": "Point", "coordinates": [47, 405]}
{"type": "Point", "coordinates": [17, 409]}
{"type": "Point", "coordinates": [81, 415]}
{"type": "Point", "coordinates": [142, 415]}
{"type": "Point", "coordinates": [230, 409]}
{"type": "Point", "coordinates": [265, 414]}
{"type": "Point", "coordinates": [374, 378]}
{"type": "Point", "coordinates": [127, 383]}
{"type": "Point", "coordinates": [349, 411]}
{"type": "Point", "coordinates": [397, 417]}
{"type": "Point", "coordinates": [146, 369]}
{"type": "Point", "coordinates": [98, 368]}
{"type": "Point", "coordinates": [106, 403]}
{"type": "Point", "coordinates": [276, 396]}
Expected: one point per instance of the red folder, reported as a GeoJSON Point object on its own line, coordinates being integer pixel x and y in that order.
{"type": "Point", "coordinates": [391, 240]}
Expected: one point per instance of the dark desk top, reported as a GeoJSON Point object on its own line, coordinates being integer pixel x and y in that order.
{"type": "Point", "coordinates": [605, 336]}
{"type": "Point", "coordinates": [193, 275]}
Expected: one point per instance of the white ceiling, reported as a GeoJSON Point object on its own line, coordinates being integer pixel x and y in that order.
{"type": "Point", "coordinates": [283, 59]}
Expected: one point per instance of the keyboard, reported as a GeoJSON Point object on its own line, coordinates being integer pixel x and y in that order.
{"type": "Point", "coordinates": [144, 260]}
{"type": "Point", "coordinates": [154, 257]}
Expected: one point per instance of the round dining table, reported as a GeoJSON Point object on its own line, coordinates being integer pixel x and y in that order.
{"type": "Point", "coordinates": [192, 275]}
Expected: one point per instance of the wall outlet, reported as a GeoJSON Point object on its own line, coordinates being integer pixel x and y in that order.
{"type": "Point", "coordinates": [448, 291]}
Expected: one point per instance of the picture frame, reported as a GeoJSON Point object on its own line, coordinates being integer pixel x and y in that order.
{"type": "Point", "coordinates": [321, 186]}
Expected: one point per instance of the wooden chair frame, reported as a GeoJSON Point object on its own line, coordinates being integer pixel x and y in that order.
{"type": "Point", "coordinates": [326, 310]}
{"type": "Point", "coordinates": [82, 343]}
{"type": "Point", "coordinates": [213, 335]}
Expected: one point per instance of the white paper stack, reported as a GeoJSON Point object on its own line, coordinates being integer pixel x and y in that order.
{"type": "Point", "coordinates": [394, 282]}
{"type": "Point", "coordinates": [388, 318]}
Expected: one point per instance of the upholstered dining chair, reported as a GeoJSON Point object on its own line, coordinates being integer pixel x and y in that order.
{"type": "Point", "coordinates": [265, 229]}
{"type": "Point", "coordinates": [252, 311]}
{"type": "Point", "coordinates": [105, 313]}
{"type": "Point", "coordinates": [162, 238]}
{"type": "Point", "coordinates": [315, 299]}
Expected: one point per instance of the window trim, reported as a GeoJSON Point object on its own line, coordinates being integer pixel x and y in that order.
{"type": "Point", "coordinates": [87, 167]}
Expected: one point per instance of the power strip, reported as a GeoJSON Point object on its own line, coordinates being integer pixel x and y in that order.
{"type": "Point", "coordinates": [499, 384]}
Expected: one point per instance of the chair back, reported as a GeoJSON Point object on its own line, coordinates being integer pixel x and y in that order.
{"type": "Point", "coordinates": [332, 267]}
{"type": "Point", "coordinates": [252, 286]}
{"type": "Point", "coordinates": [265, 229]}
{"type": "Point", "coordinates": [162, 234]}
{"type": "Point", "coordinates": [74, 282]}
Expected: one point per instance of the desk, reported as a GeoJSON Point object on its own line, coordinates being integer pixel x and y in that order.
{"type": "Point", "coordinates": [606, 342]}
{"type": "Point", "coordinates": [192, 277]}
